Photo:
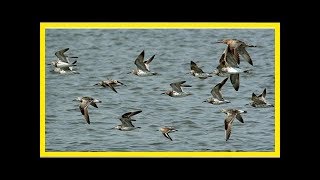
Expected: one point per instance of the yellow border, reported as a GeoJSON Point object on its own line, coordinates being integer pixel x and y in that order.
{"type": "Point", "coordinates": [138, 25]}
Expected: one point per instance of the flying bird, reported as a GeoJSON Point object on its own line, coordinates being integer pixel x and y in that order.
{"type": "Point", "coordinates": [231, 115]}
{"type": "Point", "coordinates": [166, 130]}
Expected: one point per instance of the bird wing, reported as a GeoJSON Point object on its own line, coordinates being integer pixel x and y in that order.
{"type": "Point", "coordinates": [257, 99]}
{"type": "Point", "coordinates": [139, 62]}
{"type": "Point", "coordinates": [126, 122]}
{"type": "Point", "coordinates": [236, 55]}
{"type": "Point", "coordinates": [239, 117]}
{"type": "Point", "coordinates": [61, 56]}
{"type": "Point", "coordinates": [235, 81]}
{"type": "Point", "coordinates": [104, 84]}
{"type": "Point", "coordinates": [263, 94]}
{"type": "Point", "coordinates": [216, 90]}
{"type": "Point", "coordinates": [149, 60]}
{"type": "Point", "coordinates": [84, 110]}
{"type": "Point", "coordinates": [177, 86]}
{"type": "Point", "coordinates": [86, 115]}
{"type": "Point", "coordinates": [167, 136]}
{"type": "Point", "coordinates": [195, 68]}
{"type": "Point", "coordinates": [231, 58]}
{"type": "Point", "coordinates": [134, 113]}
{"type": "Point", "coordinates": [111, 86]}
{"type": "Point", "coordinates": [130, 114]}
{"type": "Point", "coordinates": [228, 125]}
{"type": "Point", "coordinates": [243, 52]}
{"type": "Point", "coordinates": [93, 104]}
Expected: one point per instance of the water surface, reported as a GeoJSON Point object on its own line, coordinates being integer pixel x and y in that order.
{"type": "Point", "coordinates": [111, 53]}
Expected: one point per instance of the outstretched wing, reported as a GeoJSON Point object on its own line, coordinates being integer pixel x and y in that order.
{"type": "Point", "coordinates": [239, 117]}
{"type": "Point", "coordinates": [111, 86]}
{"type": "Point", "coordinates": [126, 122]}
{"type": "Point", "coordinates": [61, 56]}
{"type": "Point", "coordinates": [130, 114]}
{"type": "Point", "coordinates": [243, 52]}
{"type": "Point", "coordinates": [84, 110]}
{"type": "Point", "coordinates": [216, 90]}
{"type": "Point", "coordinates": [177, 86]}
{"type": "Point", "coordinates": [257, 99]}
{"type": "Point", "coordinates": [195, 68]}
{"type": "Point", "coordinates": [230, 57]}
{"type": "Point", "coordinates": [235, 81]}
{"type": "Point", "coordinates": [167, 136]}
{"type": "Point", "coordinates": [149, 60]}
{"type": "Point", "coordinates": [139, 62]}
{"type": "Point", "coordinates": [228, 125]}
{"type": "Point", "coordinates": [263, 94]}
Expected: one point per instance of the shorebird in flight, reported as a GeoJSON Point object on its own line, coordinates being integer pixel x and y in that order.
{"type": "Point", "coordinates": [83, 106]}
{"type": "Point", "coordinates": [110, 83]}
{"type": "Point", "coordinates": [126, 124]}
{"type": "Point", "coordinates": [198, 72]}
{"type": "Point", "coordinates": [143, 67]}
{"type": "Point", "coordinates": [238, 47]}
{"type": "Point", "coordinates": [216, 93]}
{"type": "Point", "coordinates": [260, 101]}
{"type": "Point", "coordinates": [177, 90]}
{"type": "Point", "coordinates": [231, 115]}
{"type": "Point", "coordinates": [166, 130]}
{"type": "Point", "coordinates": [229, 68]}
{"type": "Point", "coordinates": [63, 64]}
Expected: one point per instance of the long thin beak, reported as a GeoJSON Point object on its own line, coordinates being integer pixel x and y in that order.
{"type": "Point", "coordinates": [204, 101]}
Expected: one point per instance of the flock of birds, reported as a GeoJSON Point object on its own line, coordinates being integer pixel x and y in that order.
{"type": "Point", "coordinates": [228, 67]}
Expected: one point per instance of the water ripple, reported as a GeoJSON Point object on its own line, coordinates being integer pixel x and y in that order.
{"type": "Point", "coordinates": [110, 53]}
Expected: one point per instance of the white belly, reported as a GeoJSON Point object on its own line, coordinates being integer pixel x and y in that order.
{"type": "Point", "coordinates": [217, 101]}
{"type": "Point", "coordinates": [201, 75]}
{"type": "Point", "coordinates": [127, 128]}
{"type": "Point", "coordinates": [181, 94]}
{"type": "Point", "coordinates": [144, 73]}
{"type": "Point", "coordinates": [61, 64]}
{"type": "Point", "coordinates": [232, 70]}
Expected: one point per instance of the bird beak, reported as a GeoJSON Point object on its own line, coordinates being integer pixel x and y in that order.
{"type": "Point", "coordinates": [96, 84]}
{"type": "Point", "coordinates": [204, 101]}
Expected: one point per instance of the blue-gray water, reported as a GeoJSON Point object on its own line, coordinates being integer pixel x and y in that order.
{"type": "Point", "coordinates": [111, 53]}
